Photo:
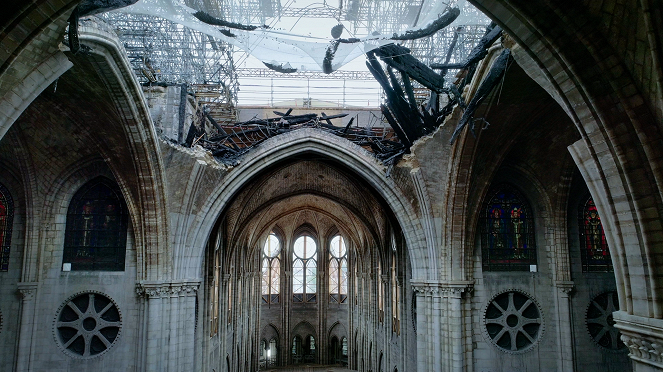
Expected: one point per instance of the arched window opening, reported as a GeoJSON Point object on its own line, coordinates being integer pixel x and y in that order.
{"type": "Point", "coordinates": [309, 349]}
{"type": "Point", "coordinates": [593, 245]}
{"type": "Point", "coordinates": [263, 353]}
{"type": "Point", "coordinates": [334, 350]}
{"type": "Point", "coordinates": [380, 288]}
{"type": "Point", "coordinates": [344, 351]}
{"type": "Point", "coordinates": [338, 270]}
{"type": "Point", "coordinates": [507, 227]}
{"type": "Point", "coordinates": [297, 350]}
{"type": "Point", "coordinates": [96, 231]}
{"type": "Point", "coordinates": [229, 302]}
{"type": "Point", "coordinates": [271, 270]}
{"type": "Point", "coordinates": [272, 353]}
{"type": "Point", "coordinates": [215, 287]}
{"type": "Point", "coordinates": [6, 224]}
{"type": "Point", "coordinates": [395, 297]}
{"type": "Point", "coordinates": [304, 270]}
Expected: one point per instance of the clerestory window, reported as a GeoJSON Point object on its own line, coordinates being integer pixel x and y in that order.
{"type": "Point", "coordinates": [507, 226]}
{"type": "Point", "coordinates": [96, 231]}
{"type": "Point", "coordinates": [338, 270]}
{"type": "Point", "coordinates": [271, 270]}
{"type": "Point", "coordinates": [304, 270]}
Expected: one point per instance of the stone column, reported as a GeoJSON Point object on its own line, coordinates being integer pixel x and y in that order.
{"type": "Point", "coordinates": [456, 339]}
{"type": "Point", "coordinates": [28, 292]}
{"type": "Point", "coordinates": [644, 339]}
{"type": "Point", "coordinates": [440, 325]}
{"type": "Point", "coordinates": [170, 317]}
{"type": "Point", "coordinates": [565, 331]}
{"type": "Point", "coordinates": [429, 331]}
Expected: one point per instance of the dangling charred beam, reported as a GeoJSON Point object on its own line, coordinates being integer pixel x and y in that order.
{"type": "Point", "coordinates": [399, 57]}
{"type": "Point", "coordinates": [489, 82]}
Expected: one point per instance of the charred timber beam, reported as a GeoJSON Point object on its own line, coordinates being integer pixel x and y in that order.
{"type": "Point", "coordinates": [399, 57]}
{"type": "Point", "coordinates": [494, 76]}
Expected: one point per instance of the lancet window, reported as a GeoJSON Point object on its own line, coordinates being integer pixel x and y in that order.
{"type": "Point", "coordinates": [338, 270]}
{"type": "Point", "coordinates": [507, 228]}
{"type": "Point", "coordinates": [593, 245]}
{"type": "Point", "coordinates": [6, 219]}
{"type": "Point", "coordinates": [96, 231]}
{"type": "Point", "coordinates": [271, 270]}
{"type": "Point", "coordinates": [304, 269]}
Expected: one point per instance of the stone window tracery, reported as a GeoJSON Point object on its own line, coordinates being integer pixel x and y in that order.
{"type": "Point", "coordinates": [6, 219]}
{"type": "Point", "coordinates": [507, 227]}
{"type": "Point", "coordinates": [96, 231]}
{"type": "Point", "coordinates": [304, 270]}
{"type": "Point", "coordinates": [593, 245]}
{"type": "Point", "coordinates": [338, 270]}
{"type": "Point", "coordinates": [271, 270]}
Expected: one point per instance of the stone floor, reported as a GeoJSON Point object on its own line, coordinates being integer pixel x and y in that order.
{"type": "Point", "coordinates": [308, 368]}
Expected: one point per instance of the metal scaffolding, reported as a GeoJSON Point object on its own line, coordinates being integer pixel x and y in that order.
{"type": "Point", "coordinates": [163, 52]}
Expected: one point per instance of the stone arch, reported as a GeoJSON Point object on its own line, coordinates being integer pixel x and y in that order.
{"type": "Point", "coordinates": [617, 154]}
{"type": "Point", "coordinates": [135, 121]}
{"type": "Point", "coordinates": [302, 141]}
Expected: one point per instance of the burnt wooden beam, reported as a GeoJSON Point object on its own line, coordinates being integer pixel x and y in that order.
{"type": "Point", "coordinates": [489, 82]}
{"type": "Point", "coordinates": [399, 57]}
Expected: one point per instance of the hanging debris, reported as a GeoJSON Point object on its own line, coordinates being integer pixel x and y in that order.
{"type": "Point", "coordinates": [411, 122]}
{"type": "Point", "coordinates": [232, 141]}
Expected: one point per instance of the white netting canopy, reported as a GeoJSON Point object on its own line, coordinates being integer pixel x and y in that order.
{"type": "Point", "coordinates": [297, 35]}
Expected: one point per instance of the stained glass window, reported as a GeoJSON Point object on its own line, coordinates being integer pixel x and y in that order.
{"type": "Point", "coordinates": [6, 219]}
{"type": "Point", "coordinates": [304, 270]}
{"type": "Point", "coordinates": [593, 246]}
{"type": "Point", "coordinates": [96, 232]}
{"type": "Point", "coordinates": [507, 232]}
{"type": "Point", "coordinates": [338, 270]}
{"type": "Point", "coordinates": [271, 270]}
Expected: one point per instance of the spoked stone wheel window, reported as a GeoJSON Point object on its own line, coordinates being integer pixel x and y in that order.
{"type": "Point", "coordinates": [513, 321]}
{"type": "Point", "coordinates": [600, 324]}
{"type": "Point", "coordinates": [87, 325]}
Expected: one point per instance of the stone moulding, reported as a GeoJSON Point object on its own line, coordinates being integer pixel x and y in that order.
{"type": "Point", "coordinates": [167, 289]}
{"type": "Point", "coordinates": [642, 336]}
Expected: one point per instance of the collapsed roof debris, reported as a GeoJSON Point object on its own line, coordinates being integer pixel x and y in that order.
{"type": "Point", "coordinates": [411, 122]}
{"type": "Point", "coordinates": [233, 141]}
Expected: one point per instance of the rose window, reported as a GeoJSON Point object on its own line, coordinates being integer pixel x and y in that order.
{"type": "Point", "coordinates": [600, 324]}
{"type": "Point", "coordinates": [513, 321]}
{"type": "Point", "coordinates": [88, 324]}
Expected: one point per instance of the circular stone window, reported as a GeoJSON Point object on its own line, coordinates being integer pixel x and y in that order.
{"type": "Point", "coordinates": [600, 324]}
{"type": "Point", "coordinates": [87, 324]}
{"type": "Point", "coordinates": [513, 321]}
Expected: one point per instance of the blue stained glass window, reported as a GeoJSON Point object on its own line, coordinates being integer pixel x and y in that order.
{"type": "Point", "coordinates": [6, 219]}
{"type": "Point", "coordinates": [96, 232]}
{"type": "Point", "coordinates": [507, 232]}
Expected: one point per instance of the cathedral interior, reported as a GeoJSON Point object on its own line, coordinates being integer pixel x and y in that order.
{"type": "Point", "coordinates": [498, 209]}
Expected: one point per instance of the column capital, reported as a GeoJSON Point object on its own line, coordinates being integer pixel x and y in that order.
{"type": "Point", "coordinates": [163, 289]}
{"type": "Point", "coordinates": [436, 286]}
{"type": "Point", "coordinates": [27, 290]}
{"type": "Point", "coordinates": [565, 286]}
{"type": "Point", "coordinates": [643, 337]}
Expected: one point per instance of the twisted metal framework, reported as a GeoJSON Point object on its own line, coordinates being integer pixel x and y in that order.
{"type": "Point", "coordinates": [164, 52]}
{"type": "Point", "coordinates": [161, 51]}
